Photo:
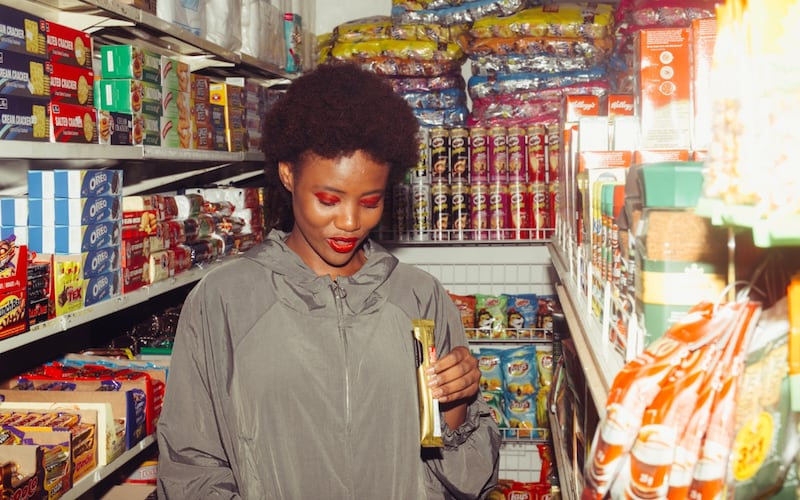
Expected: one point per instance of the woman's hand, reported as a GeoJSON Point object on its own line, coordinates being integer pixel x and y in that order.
{"type": "Point", "coordinates": [454, 376]}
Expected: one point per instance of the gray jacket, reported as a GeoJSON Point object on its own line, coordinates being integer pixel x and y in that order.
{"type": "Point", "coordinates": [288, 385]}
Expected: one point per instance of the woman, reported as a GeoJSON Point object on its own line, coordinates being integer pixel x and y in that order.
{"type": "Point", "coordinates": [293, 371]}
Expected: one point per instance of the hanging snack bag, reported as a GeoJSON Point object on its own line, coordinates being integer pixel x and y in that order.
{"type": "Point", "coordinates": [520, 384]}
{"type": "Point", "coordinates": [490, 363]}
{"type": "Point", "coordinates": [490, 316]}
{"type": "Point", "coordinates": [425, 353]}
{"type": "Point", "coordinates": [494, 399]}
{"type": "Point", "coordinates": [521, 315]}
{"type": "Point", "coordinates": [466, 306]}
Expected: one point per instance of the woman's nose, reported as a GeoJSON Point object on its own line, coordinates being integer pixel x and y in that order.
{"type": "Point", "coordinates": [348, 219]}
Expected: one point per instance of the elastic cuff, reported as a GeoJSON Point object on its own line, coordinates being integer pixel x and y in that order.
{"type": "Point", "coordinates": [455, 438]}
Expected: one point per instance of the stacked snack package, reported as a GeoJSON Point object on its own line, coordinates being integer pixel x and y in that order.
{"type": "Point", "coordinates": [522, 65]}
{"type": "Point", "coordinates": [636, 15]}
{"type": "Point", "coordinates": [74, 223]}
{"type": "Point", "coordinates": [422, 61]}
{"type": "Point", "coordinates": [688, 375]}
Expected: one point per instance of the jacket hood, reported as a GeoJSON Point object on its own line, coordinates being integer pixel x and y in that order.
{"type": "Point", "coordinates": [307, 291]}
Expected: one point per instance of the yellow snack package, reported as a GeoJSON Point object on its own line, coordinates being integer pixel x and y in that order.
{"type": "Point", "coordinates": [425, 354]}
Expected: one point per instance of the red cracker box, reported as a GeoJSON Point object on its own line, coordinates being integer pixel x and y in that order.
{"type": "Point", "coordinates": [134, 274]}
{"type": "Point", "coordinates": [71, 85]}
{"type": "Point", "coordinates": [134, 250]}
{"type": "Point", "coordinates": [66, 45]}
{"type": "Point", "coordinates": [13, 288]}
{"type": "Point", "coordinates": [73, 123]}
{"type": "Point", "coordinates": [24, 75]}
{"type": "Point", "coordinates": [621, 105]}
{"type": "Point", "coordinates": [25, 118]}
{"type": "Point", "coordinates": [663, 87]}
{"type": "Point", "coordinates": [22, 32]}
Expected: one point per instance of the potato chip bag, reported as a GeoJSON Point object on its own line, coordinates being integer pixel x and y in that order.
{"type": "Point", "coordinates": [520, 375]}
{"type": "Point", "coordinates": [490, 315]}
{"type": "Point", "coordinates": [495, 401]}
{"type": "Point", "coordinates": [521, 315]}
{"type": "Point", "coordinates": [490, 363]}
{"type": "Point", "coordinates": [466, 306]}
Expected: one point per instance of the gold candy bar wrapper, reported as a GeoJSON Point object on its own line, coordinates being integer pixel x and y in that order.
{"type": "Point", "coordinates": [425, 354]}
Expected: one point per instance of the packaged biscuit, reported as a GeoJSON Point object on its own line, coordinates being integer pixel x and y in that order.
{"type": "Point", "coordinates": [22, 32]}
{"type": "Point", "coordinates": [25, 118]}
{"type": "Point", "coordinates": [67, 45]}
{"type": "Point", "coordinates": [73, 123]}
{"type": "Point", "coordinates": [71, 85]}
{"type": "Point", "coordinates": [425, 353]}
{"type": "Point", "coordinates": [129, 61]}
{"type": "Point", "coordinates": [24, 75]}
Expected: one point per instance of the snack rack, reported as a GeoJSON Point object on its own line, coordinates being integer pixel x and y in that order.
{"type": "Point", "coordinates": [491, 269]}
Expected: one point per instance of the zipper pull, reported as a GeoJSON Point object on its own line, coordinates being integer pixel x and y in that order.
{"type": "Point", "coordinates": [338, 291]}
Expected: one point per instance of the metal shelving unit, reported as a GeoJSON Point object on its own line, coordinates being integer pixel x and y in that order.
{"type": "Point", "coordinates": [85, 315]}
{"type": "Point", "coordinates": [600, 361]}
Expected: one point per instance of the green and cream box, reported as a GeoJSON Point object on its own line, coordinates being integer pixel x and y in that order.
{"type": "Point", "coordinates": [130, 61]}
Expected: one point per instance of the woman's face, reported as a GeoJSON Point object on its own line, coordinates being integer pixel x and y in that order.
{"type": "Point", "coordinates": [336, 203]}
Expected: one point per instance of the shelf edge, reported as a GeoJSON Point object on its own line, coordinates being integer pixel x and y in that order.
{"type": "Point", "coordinates": [86, 483]}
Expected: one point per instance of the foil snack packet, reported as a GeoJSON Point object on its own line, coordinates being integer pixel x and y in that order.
{"type": "Point", "coordinates": [425, 355]}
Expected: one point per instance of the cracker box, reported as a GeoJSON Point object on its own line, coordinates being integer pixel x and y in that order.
{"type": "Point", "coordinates": [226, 94]}
{"type": "Point", "coordinates": [237, 139]}
{"type": "Point", "coordinates": [129, 96]}
{"type": "Point", "coordinates": [14, 211]}
{"type": "Point", "coordinates": [663, 87]}
{"type": "Point", "coordinates": [73, 123]}
{"type": "Point", "coordinates": [71, 85]}
{"type": "Point", "coordinates": [24, 75]}
{"type": "Point", "coordinates": [22, 32]}
{"type": "Point", "coordinates": [146, 130]}
{"type": "Point", "coordinates": [74, 211]}
{"type": "Point", "coordinates": [115, 129]}
{"type": "Point", "coordinates": [66, 45]}
{"type": "Point", "coordinates": [61, 183]}
{"type": "Point", "coordinates": [200, 88]}
{"type": "Point", "coordinates": [176, 104]}
{"type": "Point", "coordinates": [131, 62]}
{"type": "Point", "coordinates": [176, 133]}
{"type": "Point", "coordinates": [175, 74]}
{"type": "Point", "coordinates": [13, 288]}
{"type": "Point", "coordinates": [74, 239]}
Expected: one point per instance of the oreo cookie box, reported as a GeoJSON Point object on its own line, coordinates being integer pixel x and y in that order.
{"type": "Point", "coordinates": [74, 239]}
{"type": "Point", "coordinates": [73, 211]}
{"type": "Point", "coordinates": [74, 183]}
{"type": "Point", "coordinates": [103, 287]}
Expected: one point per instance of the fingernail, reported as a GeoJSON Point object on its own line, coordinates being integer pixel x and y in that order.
{"type": "Point", "coordinates": [433, 380]}
{"type": "Point", "coordinates": [436, 393]}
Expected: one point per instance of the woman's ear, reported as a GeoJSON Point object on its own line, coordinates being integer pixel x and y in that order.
{"type": "Point", "coordinates": [286, 176]}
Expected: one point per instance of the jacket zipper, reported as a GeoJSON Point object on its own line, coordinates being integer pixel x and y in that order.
{"type": "Point", "coordinates": [339, 294]}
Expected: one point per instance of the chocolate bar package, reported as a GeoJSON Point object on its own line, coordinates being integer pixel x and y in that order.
{"type": "Point", "coordinates": [425, 353]}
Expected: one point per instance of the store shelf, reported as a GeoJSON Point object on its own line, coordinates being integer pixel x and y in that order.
{"type": "Point", "coordinates": [85, 484]}
{"type": "Point", "coordinates": [565, 475]}
{"type": "Point", "coordinates": [87, 314]}
{"type": "Point", "coordinates": [768, 231]}
{"type": "Point", "coordinates": [68, 151]}
{"type": "Point", "coordinates": [600, 361]}
{"type": "Point", "coordinates": [119, 22]}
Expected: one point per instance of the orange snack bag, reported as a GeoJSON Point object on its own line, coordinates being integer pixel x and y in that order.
{"type": "Point", "coordinates": [639, 382]}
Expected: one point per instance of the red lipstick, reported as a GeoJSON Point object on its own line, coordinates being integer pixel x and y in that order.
{"type": "Point", "coordinates": [342, 245]}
